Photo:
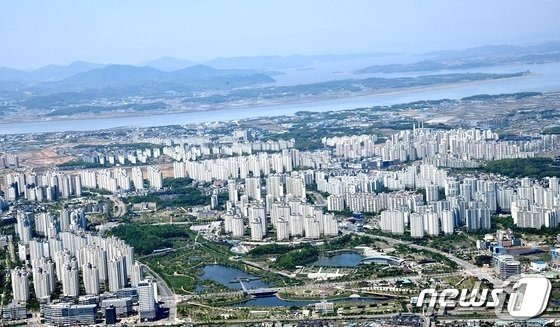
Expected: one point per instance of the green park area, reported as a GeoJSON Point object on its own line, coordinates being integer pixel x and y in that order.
{"type": "Point", "coordinates": [527, 167]}
{"type": "Point", "coordinates": [178, 192]}
{"type": "Point", "coordinates": [178, 255]}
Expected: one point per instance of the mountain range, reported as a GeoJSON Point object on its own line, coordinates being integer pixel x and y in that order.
{"type": "Point", "coordinates": [47, 73]}
{"type": "Point", "coordinates": [497, 50]}
{"type": "Point", "coordinates": [81, 76]}
{"type": "Point", "coordinates": [233, 65]}
{"type": "Point", "coordinates": [486, 56]}
{"type": "Point", "coordinates": [173, 74]}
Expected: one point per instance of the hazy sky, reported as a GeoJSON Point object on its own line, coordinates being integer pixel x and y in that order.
{"type": "Point", "coordinates": [35, 32]}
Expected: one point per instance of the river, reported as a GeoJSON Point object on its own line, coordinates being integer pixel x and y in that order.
{"type": "Point", "coordinates": [545, 77]}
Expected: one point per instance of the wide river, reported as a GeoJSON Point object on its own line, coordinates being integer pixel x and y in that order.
{"type": "Point", "coordinates": [545, 77]}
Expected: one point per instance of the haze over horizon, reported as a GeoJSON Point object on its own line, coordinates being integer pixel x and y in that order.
{"type": "Point", "coordinates": [133, 32]}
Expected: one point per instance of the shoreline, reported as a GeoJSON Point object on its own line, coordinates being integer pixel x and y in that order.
{"type": "Point", "coordinates": [273, 103]}
{"type": "Point", "coordinates": [332, 298]}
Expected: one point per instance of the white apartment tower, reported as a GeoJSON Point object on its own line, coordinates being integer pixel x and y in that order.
{"type": "Point", "coordinates": [416, 225]}
{"type": "Point", "coordinates": [447, 222]}
{"type": "Point", "coordinates": [137, 178]}
{"type": "Point", "coordinates": [155, 177]}
{"type": "Point", "coordinates": [253, 188]}
{"type": "Point", "coordinates": [147, 300]}
{"type": "Point", "coordinates": [91, 279]}
{"type": "Point", "coordinates": [20, 285]}
{"type": "Point", "coordinates": [179, 170]}
{"type": "Point", "coordinates": [70, 280]}
{"type": "Point", "coordinates": [116, 274]}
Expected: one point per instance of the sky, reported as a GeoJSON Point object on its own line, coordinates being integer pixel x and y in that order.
{"type": "Point", "coordinates": [34, 33]}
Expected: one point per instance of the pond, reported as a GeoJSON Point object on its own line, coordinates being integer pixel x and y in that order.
{"type": "Point", "coordinates": [344, 259]}
{"type": "Point", "coordinates": [229, 277]}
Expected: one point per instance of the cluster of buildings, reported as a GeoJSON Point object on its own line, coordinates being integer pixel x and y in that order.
{"type": "Point", "coordinates": [458, 148]}
{"type": "Point", "coordinates": [276, 177]}
{"type": "Point", "coordinates": [255, 165]}
{"type": "Point", "coordinates": [190, 151]}
{"type": "Point", "coordinates": [455, 200]}
{"type": "Point", "coordinates": [535, 205]}
{"type": "Point", "coordinates": [121, 179]}
{"type": "Point", "coordinates": [465, 144]}
{"type": "Point", "coordinates": [122, 157]}
{"type": "Point", "coordinates": [284, 203]}
{"type": "Point", "coordinates": [289, 219]}
{"type": "Point", "coordinates": [498, 244]}
{"type": "Point", "coordinates": [74, 273]}
{"type": "Point", "coordinates": [438, 204]}
{"type": "Point", "coordinates": [52, 185]}
{"type": "Point", "coordinates": [444, 203]}
{"type": "Point", "coordinates": [351, 147]}
{"type": "Point", "coordinates": [184, 149]}
{"type": "Point", "coordinates": [44, 187]}
{"type": "Point", "coordinates": [9, 160]}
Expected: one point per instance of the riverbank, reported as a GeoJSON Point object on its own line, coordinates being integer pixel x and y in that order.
{"type": "Point", "coordinates": [264, 106]}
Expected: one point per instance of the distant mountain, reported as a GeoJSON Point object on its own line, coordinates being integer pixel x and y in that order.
{"type": "Point", "coordinates": [47, 73]}
{"type": "Point", "coordinates": [497, 50]}
{"type": "Point", "coordinates": [486, 56]}
{"type": "Point", "coordinates": [11, 85]}
{"type": "Point", "coordinates": [57, 72]}
{"type": "Point", "coordinates": [264, 63]}
{"type": "Point", "coordinates": [125, 76]}
{"type": "Point", "coordinates": [204, 71]}
{"type": "Point", "coordinates": [15, 75]}
{"type": "Point", "coordinates": [169, 64]}
{"type": "Point", "coordinates": [426, 65]}
{"type": "Point", "coordinates": [111, 75]}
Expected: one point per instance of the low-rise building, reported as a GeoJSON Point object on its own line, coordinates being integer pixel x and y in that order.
{"type": "Point", "coordinates": [66, 314]}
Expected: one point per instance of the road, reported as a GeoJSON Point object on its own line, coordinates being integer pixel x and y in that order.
{"type": "Point", "coordinates": [468, 267]}
{"type": "Point", "coordinates": [166, 294]}
{"type": "Point", "coordinates": [353, 319]}
{"type": "Point", "coordinates": [319, 198]}
{"type": "Point", "coordinates": [171, 299]}
{"type": "Point", "coordinates": [266, 268]}
{"type": "Point", "coordinates": [119, 206]}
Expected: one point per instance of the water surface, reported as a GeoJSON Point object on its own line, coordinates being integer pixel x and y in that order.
{"type": "Point", "coordinates": [344, 259]}
{"type": "Point", "coordinates": [545, 78]}
{"type": "Point", "coordinates": [229, 276]}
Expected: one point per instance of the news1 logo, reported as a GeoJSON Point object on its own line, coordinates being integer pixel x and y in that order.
{"type": "Point", "coordinates": [529, 297]}
{"type": "Point", "coordinates": [526, 298]}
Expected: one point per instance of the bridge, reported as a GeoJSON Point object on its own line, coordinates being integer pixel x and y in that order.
{"type": "Point", "coordinates": [350, 285]}
{"type": "Point", "coordinates": [382, 259]}
{"type": "Point", "coordinates": [258, 292]}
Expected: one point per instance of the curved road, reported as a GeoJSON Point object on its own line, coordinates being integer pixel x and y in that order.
{"type": "Point", "coordinates": [119, 205]}
{"type": "Point", "coordinates": [171, 299]}
{"type": "Point", "coordinates": [467, 266]}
